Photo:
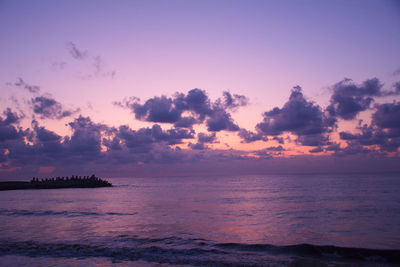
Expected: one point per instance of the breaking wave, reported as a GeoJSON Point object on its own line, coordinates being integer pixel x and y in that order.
{"type": "Point", "coordinates": [200, 252]}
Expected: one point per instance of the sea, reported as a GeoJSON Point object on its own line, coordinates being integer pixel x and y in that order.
{"type": "Point", "coordinates": [256, 220]}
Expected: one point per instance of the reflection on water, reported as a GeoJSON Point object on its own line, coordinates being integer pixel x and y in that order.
{"type": "Point", "coordinates": [342, 210]}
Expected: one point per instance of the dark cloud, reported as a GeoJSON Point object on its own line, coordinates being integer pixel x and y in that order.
{"type": "Point", "coordinates": [335, 147]}
{"type": "Point", "coordinates": [47, 147]}
{"type": "Point", "coordinates": [49, 108]}
{"type": "Point", "coordinates": [75, 52]}
{"type": "Point", "coordinates": [196, 103]}
{"type": "Point", "coordinates": [94, 145]}
{"type": "Point", "coordinates": [397, 88]}
{"type": "Point", "coordinates": [234, 101]}
{"type": "Point", "coordinates": [135, 140]}
{"type": "Point", "coordinates": [197, 146]}
{"type": "Point", "coordinates": [269, 152]}
{"type": "Point", "coordinates": [349, 99]}
{"type": "Point", "coordinates": [221, 120]}
{"type": "Point", "coordinates": [394, 92]}
{"type": "Point", "coordinates": [317, 150]}
{"type": "Point", "coordinates": [353, 149]}
{"type": "Point", "coordinates": [186, 122]}
{"type": "Point", "coordinates": [313, 140]}
{"type": "Point", "coordinates": [47, 143]}
{"type": "Point", "coordinates": [10, 117]}
{"type": "Point", "coordinates": [280, 140]}
{"type": "Point", "coordinates": [44, 135]}
{"type": "Point", "coordinates": [369, 136]}
{"type": "Point", "coordinates": [275, 148]}
{"type": "Point", "coordinates": [8, 129]}
{"type": "Point", "coordinates": [387, 116]}
{"type": "Point", "coordinates": [86, 137]}
{"type": "Point", "coordinates": [206, 138]}
{"type": "Point", "coordinates": [22, 84]}
{"type": "Point", "coordinates": [171, 136]}
{"type": "Point", "coordinates": [249, 136]}
{"type": "Point", "coordinates": [297, 116]}
{"type": "Point", "coordinates": [157, 109]}
{"type": "Point", "coordinates": [202, 140]}
{"type": "Point", "coordinates": [383, 132]}
{"type": "Point", "coordinates": [300, 117]}
{"type": "Point", "coordinates": [144, 139]}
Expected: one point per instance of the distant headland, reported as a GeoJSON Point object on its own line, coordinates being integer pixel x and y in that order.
{"type": "Point", "coordinates": [57, 182]}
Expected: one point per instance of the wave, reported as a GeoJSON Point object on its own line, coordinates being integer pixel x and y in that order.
{"type": "Point", "coordinates": [200, 252]}
{"type": "Point", "coordinates": [15, 212]}
{"type": "Point", "coordinates": [364, 254]}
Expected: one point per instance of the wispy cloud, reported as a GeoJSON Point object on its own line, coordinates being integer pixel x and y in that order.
{"type": "Point", "coordinates": [48, 108]}
{"type": "Point", "coordinates": [95, 62]}
{"type": "Point", "coordinates": [22, 84]}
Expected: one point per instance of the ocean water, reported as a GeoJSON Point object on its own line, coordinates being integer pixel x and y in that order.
{"type": "Point", "coordinates": [264, 220]}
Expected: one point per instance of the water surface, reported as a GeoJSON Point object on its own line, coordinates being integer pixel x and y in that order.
{"type": "Point", "coordinates": [210, 221]}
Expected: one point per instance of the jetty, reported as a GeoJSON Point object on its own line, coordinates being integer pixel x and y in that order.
{"type": "Point", "coordinates": [57, 182]}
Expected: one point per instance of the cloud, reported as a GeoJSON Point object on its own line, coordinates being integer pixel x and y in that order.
{"type": "Point", "coordinates": [313, 140]}
{"type": "Point", "coordinates": [300, 117]}
{"type": "Point", "coordinates": [202, 140]}
{"type": "Point", "coordinates": [86, 138]}
{"type": "Point", "coordinates": [47, 142]}
{"type": "Point", "coordinates": [275, 148]}
{"type": "Point", "coordinates": [171, 142]}
{"type": "Point", "coordinates": [280, 140]}
{"type": "Point", "coordinates": [221, 120]}
{"type": "Point", "coordinates": [196, 104]}
{"type": "Point", "coordinates": [171, 136]}
{"type": "Point", "coordinates": [349, 99]}
{"type": "Point", "coordinates": [135, 140]}
{"type": "Point", "coordinates": [58, 65]}
{"type": "Point", "coordinates": [383, 132]}
{"type": "Point", "coordinates": [157, 109]}
{"type": "Point", "coordinates": [387, 116]}
{"type": "Point", "coordinates": [397, 88]}
{"type": "Point", "coordinates": [149, 151]}
{"type": "Point", "coordinates": [77, 53]}
{"type": "Point", "coordinates": [22, 84]}
{"type": "Point", "coordinates": [11, 117]}
{"type": "Point", "coordinates": [206, 138]}
{"type": "Point", "coordinates": [186, 122]}
{"type": "Point", "coordinates": [297, 116]}
{"type": "Point", "coordinates": [317, 150]}
{"type": "Point", "coordinates": [270, 152]}
{"type": "Point", "coordinates": [234, 101]}
{"type": "Point", "coordinates": [249, 136]}
{"type": "Point", "coordinates": [49, 108]}
{"type": "Point", "coordinates": [335, 147]}
{"type": "Point", "coordinates": [143, 139]}
{"type": "Point", "coordinates": [8, 128]}
{"type": "Point", "coordinates": [96, 62]}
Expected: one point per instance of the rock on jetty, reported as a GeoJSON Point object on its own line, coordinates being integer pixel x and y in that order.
{"type": "Point", "coordinates": [58, 182]}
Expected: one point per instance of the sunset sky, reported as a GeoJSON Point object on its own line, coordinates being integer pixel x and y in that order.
{"type": "Point", "coordinates": [124, 88]}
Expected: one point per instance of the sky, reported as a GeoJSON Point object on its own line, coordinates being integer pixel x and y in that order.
{"type": "Point", "coordinates": [148, 88]}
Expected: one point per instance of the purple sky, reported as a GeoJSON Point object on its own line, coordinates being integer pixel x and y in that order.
{"type": "Point", "coordinates": [175, 87]}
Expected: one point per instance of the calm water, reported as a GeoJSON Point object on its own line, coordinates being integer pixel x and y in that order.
{"type": "Point", "coordinates": [207, 221]}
